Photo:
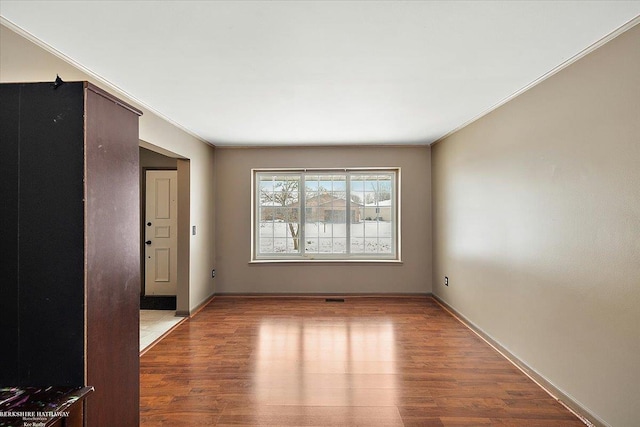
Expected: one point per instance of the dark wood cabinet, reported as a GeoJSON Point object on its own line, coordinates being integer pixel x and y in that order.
{"type": "Point", "coordinates": [70, 263]}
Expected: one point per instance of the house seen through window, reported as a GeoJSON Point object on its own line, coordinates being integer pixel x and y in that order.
{"type": "Point", "coordinates": [346, 214]}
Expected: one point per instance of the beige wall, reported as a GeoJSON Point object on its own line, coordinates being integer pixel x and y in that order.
{"type": "Point", "coordinates": [536, 223]}
{"type": "Point", "coordinates": [151, 159]}
{"type": "Point", "coordinates": [233, 245]}
{"type": "Point", "coordinates": [23, 61]}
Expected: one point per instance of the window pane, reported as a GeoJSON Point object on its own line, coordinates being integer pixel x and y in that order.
{"type": "Point", "coordinates": [287, 215]}
{"type": "Point", "coordinates": [280, 228]}
{"type": "Point", "coordinates": [278, 203]}
{"type": "Point", "coordinates": [326, 214]}
{"type": "Point", "coordinates": [311, 245]}
{"type": "Point", "coordinates": [279, 245]}
{"type": "Point", "coordinates": [357, 245]}
{"type": "Point", "coordinates": [357, 237]}
{"type": "Point", "coordinates": [371, 245]}
{"type": "Point", "coordinates": [340, 183]}
{"type": "Point", "coordinates": [376, 191]}
{"type": "Point", "coordinates": [384, 246]}
{"type": "Point", "coordinates": [325, 245]}
{"type": "Point", "coordinates": [339, 245]}
{"type": "Point", "coordinates": [265, 183]}
{"type": "Point", "coordinates": [266, 242]}
{"type": "Point", "coordinates": [314, 215]}
{"type": "Point", "coordinates": [293, 242]}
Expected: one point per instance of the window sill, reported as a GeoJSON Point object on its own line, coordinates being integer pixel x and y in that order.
{"type": "Point", "coordinates": [325, 261]}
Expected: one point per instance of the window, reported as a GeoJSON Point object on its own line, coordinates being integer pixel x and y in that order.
{"type": "Point", "coordinates": [346, 214]}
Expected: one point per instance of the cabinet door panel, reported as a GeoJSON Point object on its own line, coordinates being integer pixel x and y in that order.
{"type": "Point", "coordinates": [9, 134]}
{"type": "Point", "coordinates": [51, 242]}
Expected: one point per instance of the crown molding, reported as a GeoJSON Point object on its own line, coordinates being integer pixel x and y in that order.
{"type": "Point", "coordinates": [96, 79]}
{"type": "Point", "coordinates": [612, 35]}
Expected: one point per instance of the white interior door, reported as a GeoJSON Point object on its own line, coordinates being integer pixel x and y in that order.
{"type": "Point", "coordinates": [161, 225]}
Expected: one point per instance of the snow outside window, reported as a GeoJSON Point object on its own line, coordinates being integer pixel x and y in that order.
{"type": "Point", "coordinates": [346, 214]}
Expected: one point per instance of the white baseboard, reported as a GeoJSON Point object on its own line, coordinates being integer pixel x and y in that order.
{"type": "Point", "coordinates": [565, 400]}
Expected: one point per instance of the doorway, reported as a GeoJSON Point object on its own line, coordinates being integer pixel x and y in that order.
{"type": "Point", "coordinates": [164, 238]}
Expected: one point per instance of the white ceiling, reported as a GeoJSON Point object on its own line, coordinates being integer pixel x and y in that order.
{"type": "Point", "coordinates": [312, 72]}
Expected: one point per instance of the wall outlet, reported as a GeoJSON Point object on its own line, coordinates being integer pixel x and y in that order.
{"type": "Point", "coordinates": [446, 281]}
{"type": "Point", "coordinates": [213, 273]}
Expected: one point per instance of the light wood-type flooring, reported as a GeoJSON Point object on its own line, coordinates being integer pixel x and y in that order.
{"type": "Point", "coordinates": [363, 362]}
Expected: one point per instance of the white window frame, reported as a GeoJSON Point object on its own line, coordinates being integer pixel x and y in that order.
{"type": "Point", "coordinates": [302, 256]}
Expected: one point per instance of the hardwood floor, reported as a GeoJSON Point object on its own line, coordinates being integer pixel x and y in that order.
{"type": "Point", "coordinates": [307, 362]}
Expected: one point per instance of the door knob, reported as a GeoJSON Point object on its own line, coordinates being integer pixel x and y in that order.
{"type": "Point", "coordinates": [148, 242]}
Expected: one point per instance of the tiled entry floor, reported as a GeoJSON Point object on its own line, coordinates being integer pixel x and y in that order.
{"type": "Point", "coordinates": [154, 323]}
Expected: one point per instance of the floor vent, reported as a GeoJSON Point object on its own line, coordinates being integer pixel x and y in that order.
{"type": "Point", "coordinates": [334, 300]}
